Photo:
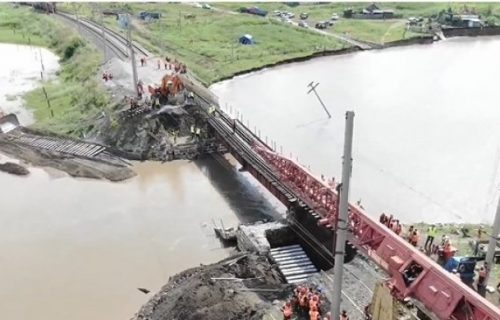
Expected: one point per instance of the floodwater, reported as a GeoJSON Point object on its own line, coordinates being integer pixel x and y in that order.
{"type": "Point", "coordinates": [79, 249]}
{"type": "Point", "coordinates": [426, 132]}
{"type": "Point", "coordinates": [21, 69]}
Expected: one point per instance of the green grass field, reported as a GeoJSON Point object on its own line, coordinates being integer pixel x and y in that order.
{"type": "Point", "coordinates": [75, 96]}
{"type": "Point", "coordinates": [208, 43]}
{"type": "Point", "coordinates": [372, 30]}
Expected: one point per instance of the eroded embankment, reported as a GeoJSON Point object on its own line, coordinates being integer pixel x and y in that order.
{"type": "Point", "coordinates": [84, 167]}
{"type": "Point", "coordinates": [240, 287]}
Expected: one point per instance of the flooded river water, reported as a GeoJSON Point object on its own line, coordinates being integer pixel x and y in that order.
{"type": "Point", "coordinates": [426, 132]}
{"type": "Point", "coordinates": [79, 249]}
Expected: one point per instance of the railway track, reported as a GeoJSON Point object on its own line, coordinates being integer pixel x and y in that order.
{"type": "Point", "coordinates": [65, 146]}
{"type": "Point", "coordinates": [117, 43]}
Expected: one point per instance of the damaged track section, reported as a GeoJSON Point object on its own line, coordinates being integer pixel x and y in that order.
{"type": "Point", "coordinates": [240, 287]}
{"type": "Point", "coordinates": [75, 157]}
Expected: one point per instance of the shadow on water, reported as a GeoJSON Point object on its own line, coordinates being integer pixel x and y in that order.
{"type": "Point", "coordinates": [245, 198]}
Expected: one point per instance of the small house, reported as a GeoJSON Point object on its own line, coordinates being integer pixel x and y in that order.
{"type": "Point", "coordinates": [471, 21]}
{"type": "Point", "coordinates": [246, 39]}
{"type": "Point", "coordinates": [370, 12]}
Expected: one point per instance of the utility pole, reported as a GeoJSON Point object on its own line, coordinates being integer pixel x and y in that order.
{"type": "Point", "coordinates": [103, 36]}
{"type": "Point", "coordinates": [490, 255]}
{"type": "Point", "coordinates": [132, 53]}
{"type": "Point", "coordinates": [95, 9]}
{"type": "Point", "coordinates": [342, 220]}
{"type": "Point", "coordinates": [313, 86]}
{"type": "Point", "coordinates": [76, 16]}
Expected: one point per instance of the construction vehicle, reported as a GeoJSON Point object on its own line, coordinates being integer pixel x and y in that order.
{"type": "Point", "coordinates": [170, 86]}
{"type": "Point", "coordinates": [464, 266]}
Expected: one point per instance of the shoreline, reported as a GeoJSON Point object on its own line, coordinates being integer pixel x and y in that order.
{"type": "Point", "coordinates": [423, 40]}
{"type": "Point", "coordinates": [326, 53]}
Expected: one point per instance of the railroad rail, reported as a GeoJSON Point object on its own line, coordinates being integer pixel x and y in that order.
{"type": "Point", "coordinates": [72, 147]}
{"type": "Point", "coordinates": [294, 185]}
{"type": "Point", "coordinates": [114, 40]}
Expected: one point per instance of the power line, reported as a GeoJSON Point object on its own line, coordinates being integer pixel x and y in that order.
{"type": "Point", "coordinates": [409, 187]}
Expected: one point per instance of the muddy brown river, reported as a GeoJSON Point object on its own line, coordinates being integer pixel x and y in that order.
{"type": "Point", "coordinates": [426, 148]}
{"type": "Point", "coordinates": [79, 249]}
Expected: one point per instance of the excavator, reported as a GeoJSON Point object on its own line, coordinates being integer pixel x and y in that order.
{"type": "Point", "coordinates": [170, 86]}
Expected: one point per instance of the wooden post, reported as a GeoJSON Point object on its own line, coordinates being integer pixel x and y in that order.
{"type": "Point", "coordinates": [48, 102]}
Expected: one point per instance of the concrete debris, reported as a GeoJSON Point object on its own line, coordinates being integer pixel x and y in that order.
{"type": "Point", "coordinates": [254, 237]}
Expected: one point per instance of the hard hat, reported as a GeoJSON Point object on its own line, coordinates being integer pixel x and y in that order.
{"type": "Point", "coordinates": [169, 82]}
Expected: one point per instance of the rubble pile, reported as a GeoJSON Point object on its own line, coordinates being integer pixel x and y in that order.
{"type": "Point", "coordinates": [239, 287]}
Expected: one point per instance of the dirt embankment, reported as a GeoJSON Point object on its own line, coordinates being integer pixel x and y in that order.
{"type": "Point", "coordinates": [240, 287]}
{"type": "Point", "coordinates": [471, 32]}
{"type": "Point", "coordinates": [74, 166]}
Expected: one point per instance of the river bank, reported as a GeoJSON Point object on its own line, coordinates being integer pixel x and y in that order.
{"type": "Point", "coordinates": [75, 96]}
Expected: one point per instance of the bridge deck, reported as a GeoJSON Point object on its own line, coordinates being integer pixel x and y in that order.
{"type": "Point", "coordinates": [440, 293]}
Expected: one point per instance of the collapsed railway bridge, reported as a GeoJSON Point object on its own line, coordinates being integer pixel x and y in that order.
{"type": "Point", "coordinates": [313, 212]}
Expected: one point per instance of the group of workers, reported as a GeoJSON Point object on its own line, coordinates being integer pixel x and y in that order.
{"type": "Point", "coordinates": [106, 75]}
{"type": "Point", "coordinates": [168, 64]}
{"type": "Point", "coordinates": [391, 223]}
{"type": "Point", "coordinates": [444, 249]}
{"type": "Point", "coordinates": [307, 303]}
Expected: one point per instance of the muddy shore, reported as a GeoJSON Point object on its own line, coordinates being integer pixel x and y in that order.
{"type": "Point", "coordinates": [74, 166]}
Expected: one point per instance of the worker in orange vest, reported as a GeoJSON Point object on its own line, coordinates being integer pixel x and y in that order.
{"type": "Point", "coordinates": [296, 294]}
{"type": "Point", "coordinates": [481, 280]}
{"type": "Point", "coordinates": [287, 311]}
{"type": "Point", "coordinates": [415, 238]}
{"type": "Point", "coordinates": [313, 302]}
{"type": "Point", "coordinates": [303, 300]}
{"type": "Point", "coordinates": [447, 250]}
{"type": "Point", "coordinates": [314, 314]}
{"type": "Point", "coordinates": [410, 233]}
{"type": "Point", "coordinates": [399, 229]}
{"type": "Point", "coordinates": [483, 273]}
{"type": "Point", "coordinates": [344, 316]}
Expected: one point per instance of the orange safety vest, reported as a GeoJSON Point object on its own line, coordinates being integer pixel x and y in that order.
{"type": "Point", "coordinates": [303, 300]}
{"type": "Point", "coordinates": [312, 303]}
{"type": "Point", "coordinates": [313, 315]}
{"type": "Point", "coordinates": [287, 311]}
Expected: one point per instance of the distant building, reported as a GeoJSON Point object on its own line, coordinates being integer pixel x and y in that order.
{"type": "Point", "coordinates": [452, 20]}
{"type": "Point", "coordinates": [471, 21]}
{"type": "Point", "coordinates": [370, 12]}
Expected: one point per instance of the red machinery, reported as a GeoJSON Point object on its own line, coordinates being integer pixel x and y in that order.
{"type": "Point", "coordinates": [434, 287]}
{"type": "Point", "coordinates": [170, 86]}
